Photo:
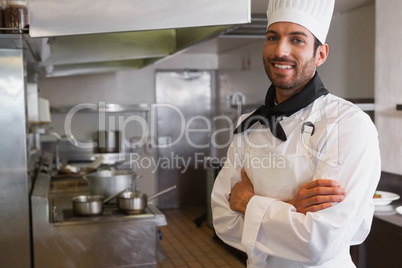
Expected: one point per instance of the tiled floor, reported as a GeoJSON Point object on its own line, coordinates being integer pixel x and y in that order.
{"type": "Point", "coordinates": [187, 245]}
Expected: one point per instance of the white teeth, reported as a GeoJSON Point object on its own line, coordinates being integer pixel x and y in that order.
{"type": "Point", "coordinates": [283, 67]}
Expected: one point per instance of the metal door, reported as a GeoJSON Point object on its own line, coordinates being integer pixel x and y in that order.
{"type": "Point", "coordinates": [183, 113]}
{"type": "Point", "coordinates": [15, 242]}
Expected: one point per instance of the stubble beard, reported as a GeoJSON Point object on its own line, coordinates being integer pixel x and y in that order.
{"type": "Point", "coordinates": [300, 75]}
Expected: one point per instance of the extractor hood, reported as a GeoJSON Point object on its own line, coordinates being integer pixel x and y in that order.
{"type": "Point", "coordinates": [86, 36]}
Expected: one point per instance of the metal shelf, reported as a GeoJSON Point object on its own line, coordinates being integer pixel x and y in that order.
{"type": "Point", "coordinates": [36, 50]}
{"type": "Point", "coordinates": [14, 41]}
{"type": "Point", "coordinates": [109, 108]}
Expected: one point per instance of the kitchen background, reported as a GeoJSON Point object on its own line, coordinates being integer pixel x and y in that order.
{"type": "Point", "coordinates": [237, 65]}
{"type": "Point", "coordinates": [363, 65]}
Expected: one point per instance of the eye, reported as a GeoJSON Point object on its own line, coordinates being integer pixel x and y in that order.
{"type": "Point", "coordinates": [272, 38]}
{"type": "Point", "coordinates": [298, 41]}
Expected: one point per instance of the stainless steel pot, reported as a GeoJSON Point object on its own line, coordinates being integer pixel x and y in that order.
{"type": "Point", "coordinates": [87, 205]}
{"type": "Point", "coordinates": [91, 205]}
{"type": "Point", "coordinates": [108, 182]}
{"type": "Point", "coordinates": [136, 202]}
{"type": "Point", "coordinates": [108, 141]}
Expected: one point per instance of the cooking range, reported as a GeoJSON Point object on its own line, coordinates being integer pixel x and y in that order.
{"type": "Point", "coordinates": [111, 239]}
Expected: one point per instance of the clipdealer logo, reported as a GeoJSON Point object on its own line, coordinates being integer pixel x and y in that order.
{"type": "Point", "coordinates": [148, 129]}
{"type": "Point", "coordinates": [197, 161]}
{"type": "Point", "coordinates": [172, 161]}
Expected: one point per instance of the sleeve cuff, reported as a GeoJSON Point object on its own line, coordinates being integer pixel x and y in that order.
{"type": "Point", "coordinates": [255, 212]}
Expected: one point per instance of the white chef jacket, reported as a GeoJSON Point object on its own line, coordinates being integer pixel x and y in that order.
{"type": "Point", "coordinates": [341, 145]}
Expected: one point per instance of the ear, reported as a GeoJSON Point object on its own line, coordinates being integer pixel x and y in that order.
{"type": "Point", "coordinates": [322, 54]}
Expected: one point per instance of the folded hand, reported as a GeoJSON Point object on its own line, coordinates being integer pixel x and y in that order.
{"type": "Point", "coordinates": [241, 193]}
{"type": "Point", "coordinates": [317, 195]}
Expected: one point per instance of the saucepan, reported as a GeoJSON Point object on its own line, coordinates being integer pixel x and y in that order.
{"type": "Point", "coordinates": [107, 182]}
{"type": "Point", "coordinates": [108, 141]}
{"type": "Point", "coordinates": [136, 202]}
{"type": "Point", "coordinates": [91, 205]}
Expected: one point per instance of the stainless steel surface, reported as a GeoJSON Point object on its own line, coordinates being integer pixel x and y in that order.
{"type": "Point", "coordinates": [133, 34]}
{"type": "Point", "coordinates": [107, 182]}
{"type": "Point", "coordinates": [112, 239]}
{"type": "Point", "coordinates": [96, 163]}
{"type": "Point", "coordinates": [87, 205]}
{"type": "Point", "coordinates": [73, 55]}
{"type": "Point", "coordinates": [109, 107]}
{"type": "Point", "coordinates": [59, 138]}
{"type": "Point", "coordinates": [111, 166]}
{"type": "Point", "coordinates": [191, 93]}
{"type": "Point", "coordinates": [74, 156]}
{"type": "Point", "coordinates": [35, 50]}
{"type": "Point", "coordinates": [14, 192]}
{"type": "Point", "coordinates": [257, 28]}
{"type": "Point", "coordinates": [132, 202]}
{"type": "Point", "coordinates": [90, 205]}
{"type": "Point", "coordinates": [130, 35]}
{"type": "Point", "coordinates": [116, 195]}
{"type": "Point", "coordinates": [108, 141]}
{"type": "Point", "coordinates": [131, 15]}
{"type": "Point", "coordinates": [136, 202]}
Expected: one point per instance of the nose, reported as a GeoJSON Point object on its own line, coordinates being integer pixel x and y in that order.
{"type": "Point", "coordinates": [282, 48]}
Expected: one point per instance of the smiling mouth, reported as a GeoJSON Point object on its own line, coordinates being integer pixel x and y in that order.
{"type": "Point", "coordinates": [283, 66]}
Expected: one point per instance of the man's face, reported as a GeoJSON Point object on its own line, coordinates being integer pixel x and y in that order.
{"type": "Point", "coordinates": [289, 58]}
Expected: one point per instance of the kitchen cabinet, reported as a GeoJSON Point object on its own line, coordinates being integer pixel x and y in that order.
{"type": "Point", "coordinates": [383, 245]}
{"type": "Point", "coordinates": [112, 239]}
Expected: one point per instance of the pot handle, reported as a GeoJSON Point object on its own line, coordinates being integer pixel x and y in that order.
{"type": "Point", "coordinates": [113, 196]}
{"type": "Point", "coordinates": [162, 192]}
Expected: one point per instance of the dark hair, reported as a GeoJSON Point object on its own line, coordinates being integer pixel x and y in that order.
{"type": "Point", "coordinates": [317, 43]}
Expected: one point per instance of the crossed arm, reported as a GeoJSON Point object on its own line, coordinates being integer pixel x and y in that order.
{"type": "Point", "coordinates": [313, 196]}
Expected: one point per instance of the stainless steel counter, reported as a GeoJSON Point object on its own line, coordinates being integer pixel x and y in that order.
{"type": "Point", "coordinates": [112, 239]}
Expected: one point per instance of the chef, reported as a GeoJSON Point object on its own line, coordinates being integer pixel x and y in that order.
{"type": "Point", "coordinates": [297, 187]}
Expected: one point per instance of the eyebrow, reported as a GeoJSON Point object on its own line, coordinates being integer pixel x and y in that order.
{"type": "Point", "coordinates": [292, 33]}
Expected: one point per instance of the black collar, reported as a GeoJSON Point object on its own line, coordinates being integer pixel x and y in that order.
{"type": "Point", "coordinates": [267, 114]}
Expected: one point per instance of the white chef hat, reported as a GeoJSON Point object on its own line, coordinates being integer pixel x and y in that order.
{"type": "Point", "coordinates": [314, 15]}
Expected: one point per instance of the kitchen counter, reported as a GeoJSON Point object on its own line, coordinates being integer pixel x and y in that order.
{"type": "Point", "coordinates": [383, 245]}
{"type": "Point", "coordinates": [112, 239]}
{"type": "Point", "coordinates": [390, 183]}
{"type": "Point", "coordinates": [388, 213]}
